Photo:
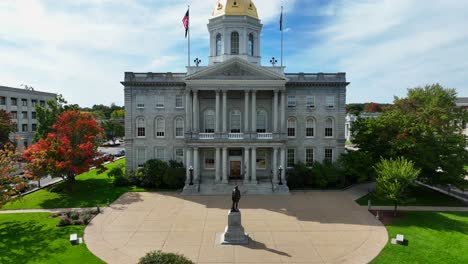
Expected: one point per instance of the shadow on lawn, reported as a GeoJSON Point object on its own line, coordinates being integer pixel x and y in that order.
{"type": "Point", "coordinates": [439, 221]}
{"type": "Point", "coordinates": [24, 242]}
{"type": "Point", "coordinates": [86, 193]}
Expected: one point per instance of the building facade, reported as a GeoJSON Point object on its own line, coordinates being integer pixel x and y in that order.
{"type": "Point", "coordinates": [462, 102]}
{"type": "Point", "coordinates": [21, 103]}
{"type": "Point", "coordinates": [350, 119]}
{"type": "Point", "coordinates": [234, 120]}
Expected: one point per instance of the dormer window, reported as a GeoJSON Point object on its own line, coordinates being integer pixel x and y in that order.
{"type": "Point", "coordinates": [234, 43]}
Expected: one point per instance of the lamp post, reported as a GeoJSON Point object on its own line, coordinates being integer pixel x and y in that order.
{"type": "Point", "coordinates": [273, 61]}
{"type": "Point", "coordinates": [191, 175]}
{"type": "Point", "coordinates": [280, 169]}
{"type": "Point", "coordinates": [197, 61]}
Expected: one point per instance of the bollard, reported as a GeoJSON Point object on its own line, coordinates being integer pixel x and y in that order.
{"type": "Point", "coordinates": [369, 204]}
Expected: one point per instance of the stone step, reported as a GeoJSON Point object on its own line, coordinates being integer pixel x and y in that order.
{"type": "Point", "coordinates": [262, 188]}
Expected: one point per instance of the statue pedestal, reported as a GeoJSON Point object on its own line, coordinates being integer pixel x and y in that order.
{"type": "Point", "coordinates": [234, 233]}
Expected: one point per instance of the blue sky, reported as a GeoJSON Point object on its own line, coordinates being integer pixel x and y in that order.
{"type": "Point", "coordinates": [81, 48]}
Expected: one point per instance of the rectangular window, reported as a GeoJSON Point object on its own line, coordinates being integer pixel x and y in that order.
{"type": "Point", "coordinates": [14, 101]}
{"type": "Point", "coordinates": [179, 155]}
{"type": "Point", "coordinates": [141, 157]}
{"type": "Point", "coordinates": [309, 158]}
{"type": "Point", "coordinates": [330, 101]}
{"type": "Point", "coordinates": [261, 159]}
{"type": "Point", "coordinates": [160, 154]}
{"type": "Point", "coordinates": [179, 101]}
{"type": "Point", "coordinates": [33, 115]}
{"type": "Point", "coordinates": [2, 100]}
{"type": "Point", "coordinates": [140, 101]}
{"type": "Point", "coordinates": [34, 103]}
{"type": "Point", "coordinates": [310, 132]}
{"type": "Point", "coordinates": [42, 103]}
{"type": "Point", "coordinates": [291, 160]}
{"type": "Point", "coordinates": [209, 159]}
{"type": "Point", "coordinates": [141, 132]}
{"type": "Point", "coordinates": [34, 127]}
{"type": "Point", "coordinates": [14, 115]}
{"type": "Point", "coordinates": [24, 102]}
{"type": "Point", "coordinates": [291, 101]}
{"type": "Point", "coordinates": [159, 101]}
{"type": "Point", "coordinates": [160, 128]}
{"type": "Point", "coordinates": [328, 132]}
{"type": "Point", "coordinates": [328, 155]}
{"type": "Point", "coordinates": [24, 127]}
{"type": "Point", "coordinates": [310, 101]}
{"type": "Point", "coordinates": [24, 115]}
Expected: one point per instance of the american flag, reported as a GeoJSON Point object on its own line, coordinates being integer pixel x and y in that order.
{"type": "Point", "coordinates": [185, 21]}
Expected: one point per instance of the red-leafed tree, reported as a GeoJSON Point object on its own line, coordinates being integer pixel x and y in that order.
{"type": "Point", "coordinates": [6, 126]}
{"type": "Point", "coordinates": [10, 185]}
{"type": "Point", "coordinates": [372, 108]}
{"type": "Point", "coordinates": [70, 149]}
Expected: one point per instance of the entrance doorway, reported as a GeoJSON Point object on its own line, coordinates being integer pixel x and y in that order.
{"type": "Point", "coordinates": [235, 169]}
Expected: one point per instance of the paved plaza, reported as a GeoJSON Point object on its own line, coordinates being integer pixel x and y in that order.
{"type": "Point", "coordinates": [311, 227]}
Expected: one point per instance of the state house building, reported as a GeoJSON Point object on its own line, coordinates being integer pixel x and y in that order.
{"type": "Point", "coordinates": [235, 121]}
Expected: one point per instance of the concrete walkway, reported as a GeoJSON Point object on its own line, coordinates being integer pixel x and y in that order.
{"type": "Point", "coordinates": [315, 227]}
{"type": "Point", "coordinates": [359, 190]}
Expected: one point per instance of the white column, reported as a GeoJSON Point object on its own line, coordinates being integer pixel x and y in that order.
{"type": "Point", "coordinates": [188, 111]}
{"type": "Point", "coordinates": [225, 111]}
{"type": "Point", "coordinates": [246, 112]}
{"type": "Point", "coordinates": [254, 111]}
{"type": "Point", "coordinates": [275, 165]}
{"type": "Point", "coordinates": [275, 112]}
{"type": "Point", "coordinates": [283, 112]}
{"type": "Point", "coordinates": [283, 164]}
{"type": "Point", "coordinates": [254, 165]}
{"type": "Point", "coordinates": [217, 113]}
{"type": "Point", "coordinates": [225, 166]}
{"type": "Point", "coordinates": [195, 111]}
{"type": "Point", "coordinates": [218, 165]}
{"type": "Point", "coordinates": [188, 155]}
{"type": "Point", "coordinates": [246, 164]}
{"type": "Point", "coordinates": [196, 166]}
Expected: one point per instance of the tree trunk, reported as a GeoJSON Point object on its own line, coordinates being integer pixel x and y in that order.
{"type": "Point", "coordinates": [70, 182]}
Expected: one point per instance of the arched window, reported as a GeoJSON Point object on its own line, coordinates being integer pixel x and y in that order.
{"type": "Point", "coordinates": [235, 121]}
{"type": "Point", "coordinates": [234, 43]}
{"type": "Point", "coordinates": [179, 127]}
{"type": "Point", "coordinates": [251, 45]}
{"type": "Point", "coordinates": [292, 127]}
{"type": "Point", "coordinates": [209, 116]}
{"type": "Point", "coordinates": [261, 121]}
{"type": "Point", "coordinates": [141, 127]}
{"type": "Point", "coordinates": [218, 44]}
{"type": "Point", "coordinates": [160, 127]}
{"type": "Point", "coordinates": [329, 127]}
{"type": "Point", "coordinates": [310, 127]}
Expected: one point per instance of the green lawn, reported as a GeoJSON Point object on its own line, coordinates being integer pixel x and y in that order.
{"type": "Point", "coordinates": [91, 189]}
{"type": "Point", "coordinates": [417, 196]}
{"type": "Point", "coordinates": [433, 237]}
{"type": "Point", "coordinates": [34, 238]}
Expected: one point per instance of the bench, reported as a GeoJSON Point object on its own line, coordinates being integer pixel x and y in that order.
{"type": "Point", "coordinates": [400, 238]}
{"type": "Point", "coordinates": [73, 238]}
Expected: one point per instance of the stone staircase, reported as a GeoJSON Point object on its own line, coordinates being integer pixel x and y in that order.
{"type": "Point", "coordinates": [210, 188]}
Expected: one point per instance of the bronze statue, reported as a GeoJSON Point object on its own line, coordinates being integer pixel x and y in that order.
{"type": "Point", "coordinates": [236, 195]}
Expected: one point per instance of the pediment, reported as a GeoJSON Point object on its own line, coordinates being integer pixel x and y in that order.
{"type": "Point", "coordinates": [235, 69]}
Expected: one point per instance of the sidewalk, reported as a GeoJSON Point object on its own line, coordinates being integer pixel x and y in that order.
{"type": "Point", "coordinates": [419, 208]}
{"type": "Point", "coordinates": [55, 210]}
{"type": "Point", "coordinates": [359, 190]}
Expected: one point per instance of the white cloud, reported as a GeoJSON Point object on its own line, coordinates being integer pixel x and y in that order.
{"type": "Point", "coordinates": [387, 46]}
{"type": "Point", "coordinates": [81, 48]}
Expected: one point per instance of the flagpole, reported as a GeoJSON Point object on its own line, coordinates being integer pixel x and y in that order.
{"type": "Point", "coordinates": [281, 36]}
{"type": "Point", "coordinates": [188, 27]}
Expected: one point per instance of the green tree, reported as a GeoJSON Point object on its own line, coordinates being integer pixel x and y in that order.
{"type": "Point", "coordinates": [118, 114]}
{"type": "Point", "coordinates": [47, 115]}
{"type": "Point", "coordinates": [113, 129]}
{"type": "Point", "coordinates": [393, 177]}
{"type": "Point", "coordinates": [6, 127]}
{"type": "Point", "coordinates": [424, 127]}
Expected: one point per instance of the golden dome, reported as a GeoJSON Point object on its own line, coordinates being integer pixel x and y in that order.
{"type": "Point", "coordinates": [235, 8]}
